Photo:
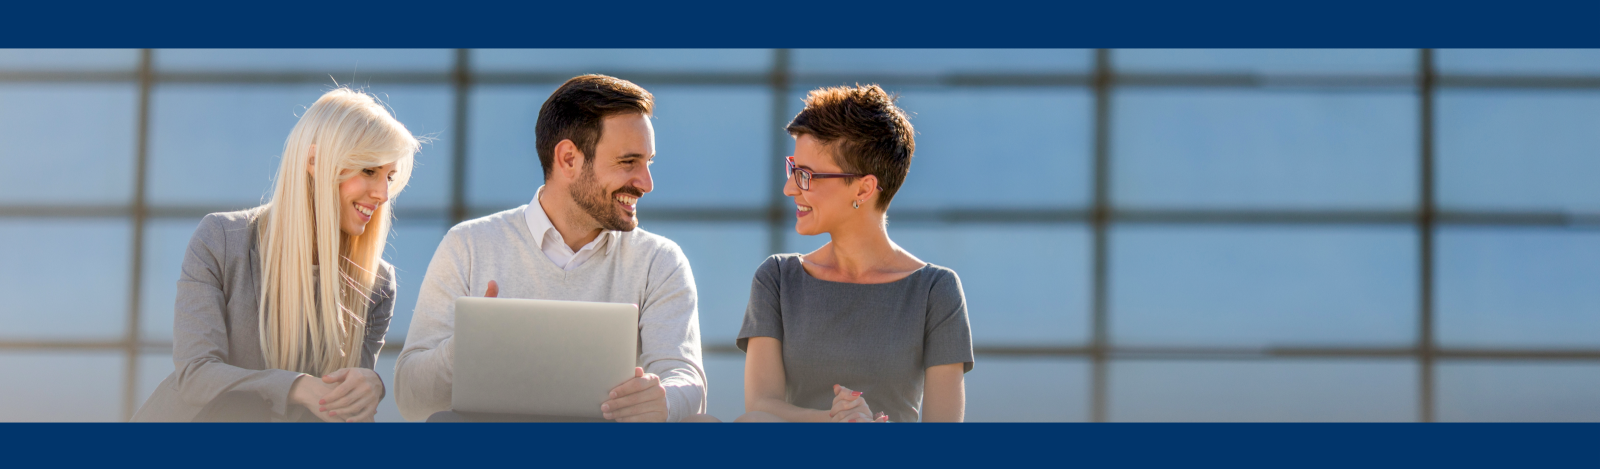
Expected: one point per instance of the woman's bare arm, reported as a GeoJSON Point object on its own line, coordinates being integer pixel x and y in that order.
{"type": "Point", "coordinates": [944, 393]}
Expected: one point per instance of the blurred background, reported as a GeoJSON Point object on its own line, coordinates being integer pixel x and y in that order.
{"type": "Point", "coordinates": [1143, 235]}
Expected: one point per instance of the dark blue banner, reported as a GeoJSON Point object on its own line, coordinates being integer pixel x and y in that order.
{"type": "Point", "coordinates": [1147, 23]}
{"type": "Point", "coordinates": [944, 445]}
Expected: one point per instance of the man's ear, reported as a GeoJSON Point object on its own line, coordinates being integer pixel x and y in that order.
{"type": "Point", "coordinates": [567, 159]}
{"type": "Point", "coordinates": [311, 163]}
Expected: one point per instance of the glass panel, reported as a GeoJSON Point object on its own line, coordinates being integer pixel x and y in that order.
{"type": "Point", "coordinates": [1028, 389]}
{"type": "Point", "coordinates": [503, 161]}
{"type": "Point", "coordinates": [713, 146]}
{"type": "Point", "coordinates": [153, 368]}
{"type": "Point", "coordinates": [725, 385]}
{"type": "Point", "coordinates": [166, 242]}
{"type": "Point", "coordinates": [1237, 149]}
{"type": "Point", "coordinates": [1263, 286]}
{"type": "Point", "coordinates": [936, 61]}
{"type": "Point", "coordinates": [1306, 390]}
{"type": "Point", "coordinates": [1519, 61]}
{"type": "Point", "coordinates": [1268, 61]}
{"type": "Point", "coordinates": [1518, 287]}
{"type": "Point", "coordinates": [412, 243]}
{"type": "Point", "coordinates": [1026, 284]}
{"type": "Point", "coordinates": [1510, 391]}
{"type": "Point", "coordinates": [345, 61]}
{"type": "Point", "coordinates": [971, 143]}
{"type": "Point", "coordinates": [62, 386]}
{"type": "Point", "coordinates": [67, 279]}
{"type": "Point", "coordinates": [67, 144]}
{"type": "Point", "coordinates": [220, 145]}
{"type": "Point", "coordinates": [1519, 150]}
{"type": "Point", "coordinates": [724, 257]}
{"type": "Point", "coordinates": [69, 60]}
{"type": "Point", "coordinates": [621, 61]}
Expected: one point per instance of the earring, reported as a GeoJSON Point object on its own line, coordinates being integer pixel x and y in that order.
{"type": "Point", "coordinates": [855, 204]}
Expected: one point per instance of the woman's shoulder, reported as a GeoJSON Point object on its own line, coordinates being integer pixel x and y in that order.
{"type": "Point", "coordinates": [941, 279]}
{"type": "Point", "coordinates": [235, 224]}
{"type": "Point", "coordinates": [777, 263]}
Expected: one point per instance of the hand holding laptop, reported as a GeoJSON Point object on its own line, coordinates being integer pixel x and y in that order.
{"type": "Point", "coordinates": [641, 399]}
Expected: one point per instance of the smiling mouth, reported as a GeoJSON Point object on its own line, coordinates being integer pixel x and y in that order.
{"type": "Point", "coordinates": [801, 210]}
{"type": "Point", "coordinates": [364, 210]}
{"type": "Point", "coordinates": [627, 202]}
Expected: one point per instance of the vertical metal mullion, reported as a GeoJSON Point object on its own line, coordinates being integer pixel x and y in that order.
{"type": "Point", "coordinates": [139, 212]}
{"type": "Point", "coordinates": [1099, 219]}
{"type": "Point", "coordinates": [461, 81]}
{"type": "Point", "coordinates": [779, 82]}
{"type": "Point", "coordinates": [1425, 226]}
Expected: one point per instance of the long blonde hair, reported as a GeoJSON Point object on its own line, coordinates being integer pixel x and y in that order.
{"type": "Point", "coordinates": [350, 131]}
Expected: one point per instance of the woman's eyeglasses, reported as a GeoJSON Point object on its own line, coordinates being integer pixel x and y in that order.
{"type": "Point", "coordinates": [802, 177]}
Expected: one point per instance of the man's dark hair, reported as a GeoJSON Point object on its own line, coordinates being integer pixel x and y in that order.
{"type": "Point", "coordinates": [869, 133]}
{"type": "Point", "coordinates": [574, 112]}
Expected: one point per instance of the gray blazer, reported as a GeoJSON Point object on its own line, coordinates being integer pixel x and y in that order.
{"type": "Point", "coordinates": [216, 340]}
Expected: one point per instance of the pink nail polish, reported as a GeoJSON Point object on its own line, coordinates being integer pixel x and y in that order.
{"type": "Point", "coordinates": [855, 393]}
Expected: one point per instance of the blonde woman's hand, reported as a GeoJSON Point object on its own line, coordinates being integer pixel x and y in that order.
{"type": "Point", "coordinates": [355, 395]}
{"type": "Point", "coordinates": [307, 391]}
{"type": "Point", "coordinates": [849, 406]}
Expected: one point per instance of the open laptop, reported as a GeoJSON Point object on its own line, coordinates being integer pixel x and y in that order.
{"type": "Point", "coordinates": [541, 357]}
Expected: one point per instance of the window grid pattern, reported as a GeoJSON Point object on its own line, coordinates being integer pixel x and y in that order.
{"type": "Point", "coordinates": [1100, 216]}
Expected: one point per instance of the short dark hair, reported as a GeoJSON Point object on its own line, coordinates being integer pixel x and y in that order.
{"type": "Point", "coordinates": [574, 111]}
{"type": "Point", "coordinates": [872, 135]}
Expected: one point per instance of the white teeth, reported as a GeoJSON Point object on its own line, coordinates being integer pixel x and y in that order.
{"type": "Point", "coordinates": [363, 210]}
{"type": "Point", "coordinates": [803, 208]}
{"type": "Point", "coordinates": [627, 200]}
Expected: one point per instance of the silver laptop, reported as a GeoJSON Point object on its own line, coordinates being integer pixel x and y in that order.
{"type": "Point", "coordinates": [541, 357]}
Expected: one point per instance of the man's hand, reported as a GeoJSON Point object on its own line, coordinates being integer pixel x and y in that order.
{"type": "Point", "coordinates": [640, 399]}
{"type": "Point", "coordinates": [492, 291]}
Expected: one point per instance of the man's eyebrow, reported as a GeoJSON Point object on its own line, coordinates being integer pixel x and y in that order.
{"type": "Point", "coordinates": [630, 155]}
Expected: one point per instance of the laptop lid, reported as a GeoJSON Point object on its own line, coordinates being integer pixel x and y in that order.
{"type": "Point", "coordinates": [541, 357]}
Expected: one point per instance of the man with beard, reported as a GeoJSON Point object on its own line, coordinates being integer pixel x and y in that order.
{"type": "Point", "coordinates": [577, 240]}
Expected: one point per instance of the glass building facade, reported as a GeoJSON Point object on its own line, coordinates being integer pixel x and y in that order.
{"type": "Point", "coordinates": [1143, 235]}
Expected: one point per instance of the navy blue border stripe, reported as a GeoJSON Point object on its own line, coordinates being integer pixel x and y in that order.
{"type": "Point", "coordinates": [814, 445]}
{"type": "Point", "coordinates": [1127, 23]}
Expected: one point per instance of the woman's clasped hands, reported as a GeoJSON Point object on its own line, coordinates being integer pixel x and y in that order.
{"type": "Point", "coordinates": [849, 406]}
{"type": "Point", "coordinates": [346, 395]}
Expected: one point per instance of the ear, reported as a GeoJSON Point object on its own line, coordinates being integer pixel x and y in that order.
{"type": "Point", "coordinates": [311, 163]}
{"type": "Point", "coordinates": [866, 189]}
{"type": "Point", "coordinates": [567, 160]}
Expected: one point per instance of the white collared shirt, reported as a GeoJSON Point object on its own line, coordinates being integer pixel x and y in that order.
{"type": "Point", "coordinates": [549, 240]}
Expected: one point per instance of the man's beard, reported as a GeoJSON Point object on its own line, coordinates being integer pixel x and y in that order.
{"type": "Point", "coordinates": [600, 206]}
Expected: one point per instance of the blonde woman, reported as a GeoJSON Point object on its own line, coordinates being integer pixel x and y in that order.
{"type": "Point", "coordinates": [282, 308]}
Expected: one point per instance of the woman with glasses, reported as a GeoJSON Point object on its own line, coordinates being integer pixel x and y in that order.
{"type": "Point", "coordinates": [282, 308]}
{"type": "Point", "coordinates": [859, 330]}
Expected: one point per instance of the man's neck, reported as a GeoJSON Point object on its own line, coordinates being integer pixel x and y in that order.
{"type": "Point", "coordinates": [575, 226]}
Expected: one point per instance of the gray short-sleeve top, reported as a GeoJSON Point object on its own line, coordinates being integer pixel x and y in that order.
{"type": "Point", "coordinates": [874, 338]}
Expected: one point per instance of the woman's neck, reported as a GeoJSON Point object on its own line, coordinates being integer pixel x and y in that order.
{"type": "Point", "coordinates": [861, 251]}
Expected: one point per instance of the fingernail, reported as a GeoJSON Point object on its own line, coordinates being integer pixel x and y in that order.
{"type": "Point", "coordinates": [334, 413]}
{"type": "Point", "coordinates": [321, 402]}
{"type": "Point", "coordinates": [322, 409]}
{"type": "Point", "coordinates": [605, 407]}
{"type": "Point", "coordinates": [855, 393]}
{"type": "Point", "coordinates": [852, 420]}
{"type": "Point", "coordinates": [613, 395]}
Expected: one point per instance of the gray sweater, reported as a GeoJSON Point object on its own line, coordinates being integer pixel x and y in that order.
{"type": "Point", "coordinates": [216, 340]}
{"type": "Point", "coordinates": [634, 267]}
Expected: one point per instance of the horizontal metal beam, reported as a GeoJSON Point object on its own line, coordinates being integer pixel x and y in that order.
{"type": "Point", "coordinates": [950, 215]}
